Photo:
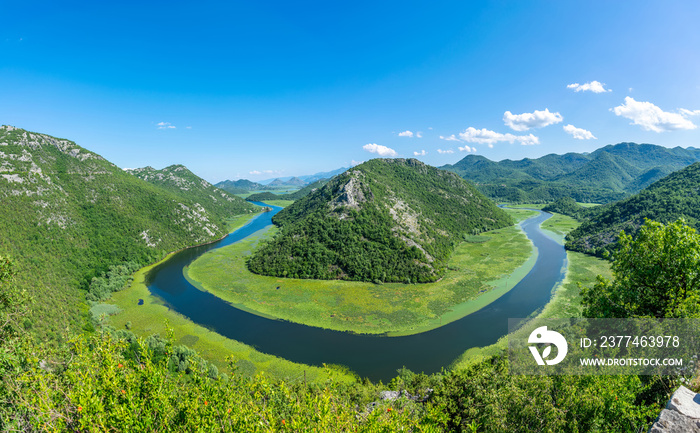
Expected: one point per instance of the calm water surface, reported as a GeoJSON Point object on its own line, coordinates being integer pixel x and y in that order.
{"type": "Point", "coordinates": [375, 357]}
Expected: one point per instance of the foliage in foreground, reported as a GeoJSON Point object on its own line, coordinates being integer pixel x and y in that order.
{"type": "Point", "coordinates": [96, 388]}
{"type": "Point", "coordinates": [655, 274]}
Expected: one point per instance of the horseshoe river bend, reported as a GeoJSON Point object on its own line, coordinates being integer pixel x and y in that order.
{"type": "Point", "coordinates": [372, 356]}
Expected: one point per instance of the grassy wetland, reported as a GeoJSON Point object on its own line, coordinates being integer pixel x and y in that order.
{"type": "Point", "coordinates": [581, 271]}
{"type": "Point", "coordinates": [482, 268]}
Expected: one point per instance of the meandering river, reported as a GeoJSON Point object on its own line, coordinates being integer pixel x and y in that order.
{"type": "Point", "coordinates": [375, 357]}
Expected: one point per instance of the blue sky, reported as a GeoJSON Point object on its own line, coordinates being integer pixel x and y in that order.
{"type": "Point", "coordinates": [270, 88]}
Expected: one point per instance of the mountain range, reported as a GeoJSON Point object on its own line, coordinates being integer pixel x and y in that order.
{"type": "Point", "coordinates": [607, 174]}
{"type": "Point", "coordinates": [673, 197]}
{"type": "Point", "coordinates": [308, 178]}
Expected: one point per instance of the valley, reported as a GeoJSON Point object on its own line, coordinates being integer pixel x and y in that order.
{"type": "Point", "coordinates": [386, 268]}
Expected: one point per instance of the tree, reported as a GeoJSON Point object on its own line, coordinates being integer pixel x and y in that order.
{"type": "Point", "coordinates": [12, 302]}
{"type": "Point", "coordinates": [655, 274]}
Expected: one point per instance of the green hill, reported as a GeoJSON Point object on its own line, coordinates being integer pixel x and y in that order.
{"type": "Point", "coordinates": [181, 181]}
{"type": "Point", "coordinates": [608, 174]}
{"type": "Point", "coordinates": [383, 220]}
{"type": "Point", "coordinates": [240, 186]}
{"type": "Point", "coordinates": [68, 215]}
{"type": "Point", "coordinates": [675, 196]}
{"type": "Point", "coordinates": [296, 195]}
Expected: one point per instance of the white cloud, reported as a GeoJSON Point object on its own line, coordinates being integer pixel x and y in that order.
{"type": "Point", "coordinates": [188, 127]}
{"type": "Point", "coordinates": [421, 153]}
{"type": "Point", "coordinates": [688, 113]}
{"type": "Point", "coordinates": [406, 134]}
{"type": "Point", "coordinates": [525, 121]}
{"type": "Point", "coordinates": [652, 118]}
{"type": "Point", "coordinates": [450, 138]}
{"type": "Point", "coordinates": [419, 134]}
{"type": "Point", "coordinates": [490, 145]}
{"type": "Point", "coordinates": [256, 172]}
{"type": "Point", "coordinates": [440, 151]}
{"type": "Point", "coordinates": [379, 149]}
{"type": "Point", "coordinates": [165, 125]}
{"type": "Point", "coordinates": [578, 133]}
{"type": "Point", "coordinates": [486, 136]}
{"type": "Point", "coordinates": [593, 86]}
{"type": "Point", "coordinates": [467, 149]}
{"type": "Point", "coordinates": [354, 163]}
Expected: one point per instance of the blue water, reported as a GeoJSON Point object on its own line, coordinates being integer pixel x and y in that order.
{"type": "Point", "coordinates": [375, 357]}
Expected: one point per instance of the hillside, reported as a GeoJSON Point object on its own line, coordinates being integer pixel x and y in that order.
{"type": "Point", "coordinates": [240, 186]}
{"type": "Point", "coordinates": [295, 181]}
{"type": "Point", "coordinates": [182, 182]}
{"type": "Point", "coordinates": [675, 196]}
{"type": "Point", "coordinates": [296, 195]}
{"type": "Point", "coordinates": [68, 214]}
{"type": "Point", "coordinates": [605, 175]}
{"type": "Point", "coordinates": [383, 220]}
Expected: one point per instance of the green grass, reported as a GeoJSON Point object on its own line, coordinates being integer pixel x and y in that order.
{"type": "Point", "coordinates": [559, 225]}
{"type": "Point", "coordinates": [238, 221]}
{"type": "Point", "coordinates": [526, 205]}
{"type": "Point", "coordinates": [582, 270]}
{"type": "Point", "coordinates": [478, 273]}
{"type": "Point", "coordinates": [155, 318]}
{"type": "Point", "coordinates": [520, 214]}
{"type": "Point", "coordinates": [280, 203]}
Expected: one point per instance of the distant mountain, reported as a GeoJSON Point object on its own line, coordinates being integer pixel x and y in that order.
{"type": "Point", "coordinates": [240, 186]}
{"type": "Point", "coordinates": [309, 178]}
{"type": "Point", "coordinates": [675, 196]}
{"type": "Point", "coordinates": [383, 220]}
{"type": "Point", "coordinates": [276, 182]}
{"type": "Point", "coordinates": [67, 214]}
{"type": "Point", "coordinates": [322, 175]}
{"type": "Point", "coordinates": [295, 181]}
{"type": "Point", "coordinates": [181, 181]}
{"type": "Point", "coordinates": [308, 189]}
{"type": "Point", "coordinates": [607, 174]}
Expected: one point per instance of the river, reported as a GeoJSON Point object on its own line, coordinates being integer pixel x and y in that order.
{"type": "Point", "coordinates": [374, 357]}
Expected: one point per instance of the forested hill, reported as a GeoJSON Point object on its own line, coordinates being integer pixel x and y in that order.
{"type": "Point", "coordinates": [383, 220]}
{"type": "Point", "coordinates": [67, 214]}
{"type": "Point", "coordinates": [605, 175]}
{"type": "Point", "coordinates": [181, 181]}
{"type": "Point", "coordinates": [675, 196]}
{"type": "Point", "coordinates": [296, 195]}
{"type": "Point", "coordinates": [240, 186]}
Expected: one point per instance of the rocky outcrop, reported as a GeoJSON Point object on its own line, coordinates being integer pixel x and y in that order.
{"type": "Point", "coordinates": [682, 414]}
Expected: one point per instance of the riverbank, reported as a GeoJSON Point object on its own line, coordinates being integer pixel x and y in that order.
{"type": "Point", "coordinates": [145, 314]}
{"type": "Point", "coordinates": [480, 271]}
{"type": "Point", "coordinates": [582, 271]}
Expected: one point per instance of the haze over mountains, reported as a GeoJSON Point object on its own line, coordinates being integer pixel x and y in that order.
{"type": "Point", "coordinates": [607, 174]}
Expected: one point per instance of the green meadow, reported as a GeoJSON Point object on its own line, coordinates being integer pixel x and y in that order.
{"type": "Point", "coordinates": [481, 269]}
